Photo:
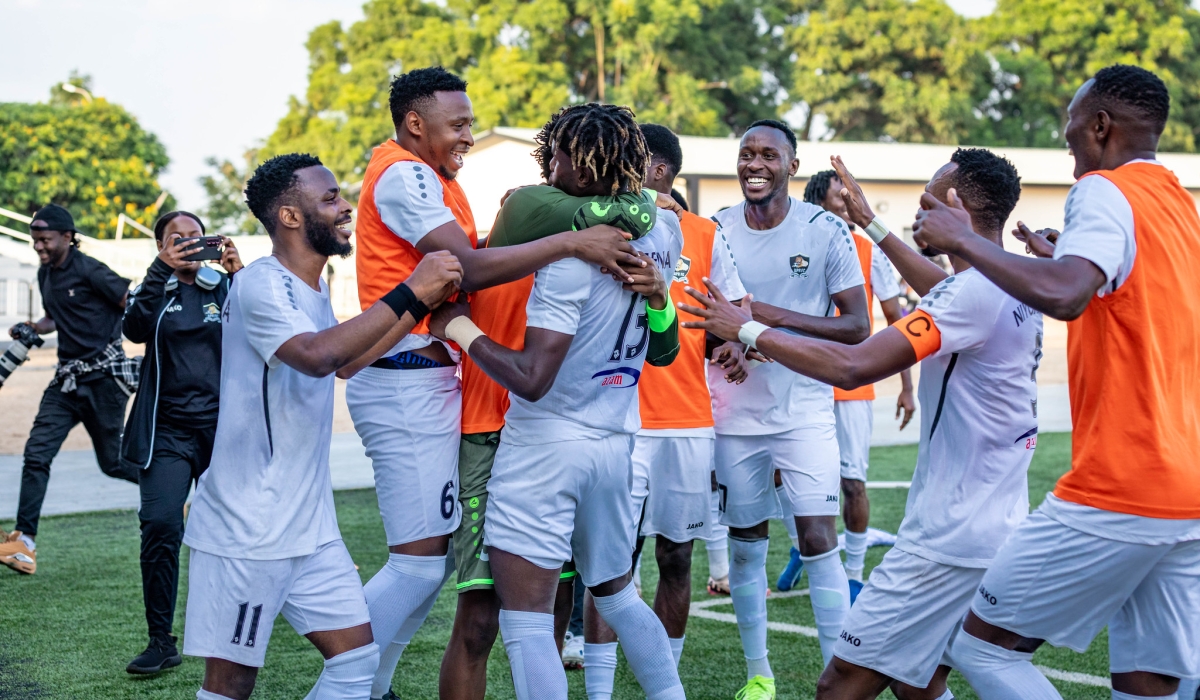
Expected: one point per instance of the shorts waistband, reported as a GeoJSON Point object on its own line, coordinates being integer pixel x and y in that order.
{"type": "Point", "coordinates": [391, 377]}
{"type": "Point", "coordinates": [405, 360]}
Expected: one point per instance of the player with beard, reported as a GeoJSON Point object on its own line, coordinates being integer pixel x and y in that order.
{"type": "Point", "coordinates": [799, 264]}
{"type": "Point", "coordinates": [559, 485]}
{"type": "Point", "coordinates": [1118, 541]}
{"type": "Point", "coordinates": [407, 405]}
{"type": "Point", "coordinates": [262, 527]}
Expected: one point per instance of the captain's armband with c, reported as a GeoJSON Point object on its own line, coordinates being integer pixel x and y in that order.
{"type": "Point", "coordinates": [921, 332]}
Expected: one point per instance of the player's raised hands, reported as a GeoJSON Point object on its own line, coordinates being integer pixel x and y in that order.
{"type": "Point", "coordinates": [731, 357]}
{"type": "Point", "coordinates": [852, 194]}
{"type": "Point", "coordinates": [440, 317]}
{"type": "Point", "coordinates": [666, 201]}
{"type": "Point", "coordinates": [608, 247]}
{"type": "Point", "coordinates": [1040, 243]}
{"type": "Point", "coordinates": [721, 317]}
{"type": "Point", "coordinates": [647, 280]}
{"type": "Point", "coordinates": [435, 278]}
{"type": "Point", "coordinates": [942, 225]}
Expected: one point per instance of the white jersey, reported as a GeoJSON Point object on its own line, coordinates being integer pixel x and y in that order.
{"type": "Point", "coordinates": [798, 265]}
{"type": "Point", "coordinates": [595, 392]}
{"type": "Point", "coordinates": [267, 493]}
{"type": "Point", "coordinates": [883, 278]}
{"type": "Point", "coordinates": [978, 395]}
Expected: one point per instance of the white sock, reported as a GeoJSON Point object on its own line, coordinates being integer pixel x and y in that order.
{"type": "Point", "coordinates": [599, 670]}
{"type": "Point", "coordinates": [1189, 689]}
{"type": "Point", "coordinates": [829, 593]}
{"type": "Point", "coordinates": [203, 694]}
{"type": "Point", "coordinates": [348, 675]}
{"type": "Point", "coordinates": [400, 588]}
{"type": "Point", "coordinates": [748, 583]}
{"type": "Point", "coordinates": [789, 519]}
{"type": "Point", "coordinates": [28, 542]}
{"type": "Point", "coordinates": [856, 554]}
{"type": "Point", "coordinates": [1118, 695]}
{"type": "Point", "coordinates": [718, 557]}
{"type": "Point", "coordinates": [389, 656]}
{"type": "Point", "coordinates": [997, 673]}
{"type": "Point", "coordinates": [645, 643]}
{"type": "Point", "coordinates": [677, 648]}
{"type": "Point", "coordinates": [537, 669]}
{"type": "Point", "coordinates": [946, 695]}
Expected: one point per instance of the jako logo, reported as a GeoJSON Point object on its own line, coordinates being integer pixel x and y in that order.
{"type": "Point", "coordinates": [987, 596]}
{"type": "Point", "coordinates": [831, 499]}
{"type": "Point", "coordinates": [173, 309]}
{"type": "Point", "coordinates": [621, 377]}
{"type": "Point", "coordinates": [693, 526]}
{"type": "Point", "coordinates": [851, 639]}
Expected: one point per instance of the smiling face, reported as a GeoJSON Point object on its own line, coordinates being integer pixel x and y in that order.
{"type": "Point", "coordinates": [51, 246]}
{"type": "Point", "coordinates": [443, 128]}
{"type": "Point", "coordinates": [1080, 132]}
{"type": "Point", "coordinates": [765, 164]}
{"type": "Point", "coordinates": [326, 215]}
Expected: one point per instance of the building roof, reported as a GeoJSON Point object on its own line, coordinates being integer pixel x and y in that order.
{"type": "Point", "coordinates": [874, 161]}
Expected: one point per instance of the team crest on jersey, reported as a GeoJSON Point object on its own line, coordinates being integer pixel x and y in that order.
{"type": "Point", "coordinates": [212, 313]}
{"type": "Point", "coordinates": [681, 268]}
{"type": "Point", "coordinates": [799, 265]}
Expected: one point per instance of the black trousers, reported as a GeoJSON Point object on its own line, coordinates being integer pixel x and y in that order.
{"type": "Point", "coordinates": [180, 456]}
{"type": "Point", "coordinates": [99, 403]}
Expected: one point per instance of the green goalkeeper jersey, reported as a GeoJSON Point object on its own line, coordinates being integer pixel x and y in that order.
{"type": "Point", "coordinates": [532, 213]}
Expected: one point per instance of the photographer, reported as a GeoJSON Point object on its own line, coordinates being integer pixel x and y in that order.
{"type": "Point", "coordinates": [84, 300]}
{"type": "Point", "coordinates": [168, 440]}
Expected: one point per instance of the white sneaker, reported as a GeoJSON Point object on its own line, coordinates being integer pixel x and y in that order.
{"type": "Point", "coordinates": [879, 538]}
{"type": "Point", "coordinates": [572, 654]}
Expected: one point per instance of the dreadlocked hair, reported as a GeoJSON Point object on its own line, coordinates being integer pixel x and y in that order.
{"type": "Point", "coordinates": [818, 187]}
{"type": "Point", "coordinates": [603, 138]}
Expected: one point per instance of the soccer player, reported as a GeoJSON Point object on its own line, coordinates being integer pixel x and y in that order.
{"type": "Point", "coordinates": [673, 452]}
{"type": "Point", "coordinates": [980, 350]}
{"type": "Point", "coordinates": [407, 405]}
{"type": "Point", "coordinates": [527, 214]}
{"type": "Point", "coordinates": [799, 264]}
{"type": "Point", "coordinates": [1118, 541]}
{"type": "Point", "coordinates": [560, 480]}
{"type": "Point", "coordinates": [853, 409]}
{"type": "Point", "coordinates": [262, 528]}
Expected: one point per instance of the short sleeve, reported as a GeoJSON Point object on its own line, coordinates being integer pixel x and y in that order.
{"type": "Point", "coordinates": [883, 277]}
{"type": "Point", "coordinates": [723, 271]}
{"type": "Point", "coordinates": [108, 284]}
{"type": "Point", "coordinates": [269, 310]}
{"type": "Point", "coordinates": [842, 269]}
{"type": "Point", "coordinates": [1098, 227]}
{"type": "Point", "coordinates": [963, 311]}
{"type": "Point", "coordinates": [559, 292]}
{"type": "Point", "coordinates": [410, 201]}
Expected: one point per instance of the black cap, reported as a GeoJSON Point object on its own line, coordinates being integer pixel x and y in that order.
{"type": "Point", "coordinates": [55, 217]}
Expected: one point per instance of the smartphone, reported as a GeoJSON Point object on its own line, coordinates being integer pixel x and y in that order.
{"type": "Point", "coordinates": [210, 247]}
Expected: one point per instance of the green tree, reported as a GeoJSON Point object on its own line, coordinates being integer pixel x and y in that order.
{"type": "Point", "coordinates": [1045, 49]}
{"type": "Point", "coordinates": [226, 210]}
{"type": "Point", "coordinates": [888, 69]}
{"type": "Point", "coordinates": [91, 157]}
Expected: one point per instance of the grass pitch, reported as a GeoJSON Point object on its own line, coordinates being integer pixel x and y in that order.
{"type": "Point", "coordinates": [69, 630]}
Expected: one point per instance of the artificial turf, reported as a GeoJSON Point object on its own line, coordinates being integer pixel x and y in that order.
{"type": "Point", "coordinates": [69, 630]}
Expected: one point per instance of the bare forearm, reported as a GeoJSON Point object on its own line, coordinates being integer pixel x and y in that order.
{"type": "Point", "coordinates": [516, 371]}
{"type": "Point", "coordinates": [488, 267]}
{"type": "Point", "coordinates": [389, 340]}
{"type": "Point", "coordinates": [846, 328]}
{"type": "Point", "coordinates": [321, 354]}
{"type": "Point", "coordinates": [1059, 288]}
{"type": "Point", "coordinates": [843, 366]}
{"type": "Point", "coordinates": [44, 326]}
{"type": "Point", "coordinates": [920, 273]}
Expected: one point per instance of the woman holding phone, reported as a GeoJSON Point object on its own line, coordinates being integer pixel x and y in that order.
{"type": "Point", "coordinates": [168, 439]}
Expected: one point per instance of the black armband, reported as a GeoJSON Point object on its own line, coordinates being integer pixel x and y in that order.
{"type": "Point", "coordinates": [402, 299]}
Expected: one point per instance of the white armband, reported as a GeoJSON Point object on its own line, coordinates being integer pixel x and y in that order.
{"type": "Point", "coordinates": [463, 331]}
{"type": "Point", "coordinates": [876, 231]}
{"type": "Point", "coordinates": [750, 331]}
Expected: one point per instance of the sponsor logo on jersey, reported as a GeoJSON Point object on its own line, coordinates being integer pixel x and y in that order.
{"type": "Point", "coordinates": [212, 313]}
{"type": "Point", "coordinates": [681, 269]}
{"type": "Point", "coordinates": [799, 265]}
{"type": "Point", "coordinates": [174, 307]}
{"type": "Point", "coordinates": [620, 378]}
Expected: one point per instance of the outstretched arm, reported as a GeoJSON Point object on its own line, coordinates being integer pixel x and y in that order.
{"type": "Point", "coordinates": [843, 366]}
{"type": "Point", "coordinates": [1059, 288]}
{"type": "Point", "coordinates": [851, 326]}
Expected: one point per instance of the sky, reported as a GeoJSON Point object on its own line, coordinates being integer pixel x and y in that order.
{"type": "Point", "coordinates": [209, 78]}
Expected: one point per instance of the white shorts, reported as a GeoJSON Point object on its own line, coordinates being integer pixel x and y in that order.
{"type": "Point", "coordinates": [671, 478]}
{"type": "Point", "coordinates": [903, 621]}
{"type": "Point", "coordinates": [1053, 582]}
{"type": "Point", "coordinates": [549, 502]}
{"type": "Point", "coordinates": [807, 458]}
{"type": "Point", "coordinates": [410, 422]}
{"type": "Point", "coordinates": [855, 419]}
{"type": "Point", "coordinates": [232, 603]}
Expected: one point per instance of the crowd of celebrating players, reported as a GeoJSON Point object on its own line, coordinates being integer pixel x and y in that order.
{"type": "Point", "coordinates": [606, 365]}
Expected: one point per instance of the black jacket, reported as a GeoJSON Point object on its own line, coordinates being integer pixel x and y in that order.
{"type": "Point", "coordinates": [147, 305]}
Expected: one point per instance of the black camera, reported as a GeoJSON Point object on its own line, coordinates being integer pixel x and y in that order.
{"type": "Point", "coordinates": [210, 247]}
{"type": "Point", "coordinates": [18, 352]}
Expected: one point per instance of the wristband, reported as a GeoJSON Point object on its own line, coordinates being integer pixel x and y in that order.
{"type": "Point", "coordinates": [402, 299]}
{"type": "Point", "coordinates": [463, 331]}
{"type": "Point", "coordinates": [660, 319]}
{"type": "Point", "coordinates": [876, 231]}
{"type": "Point", "coordinates": [750, 331]}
